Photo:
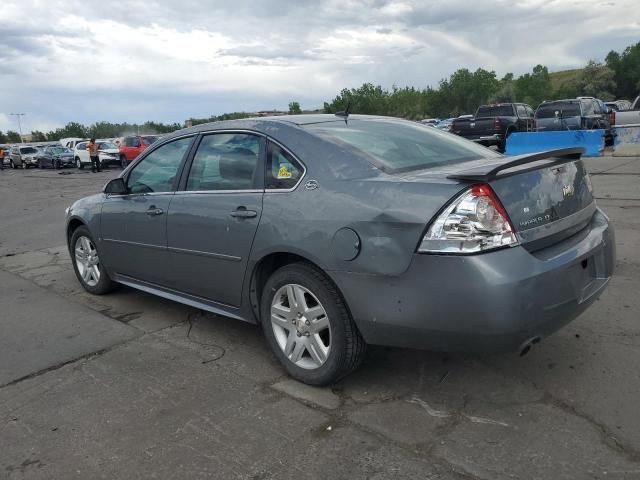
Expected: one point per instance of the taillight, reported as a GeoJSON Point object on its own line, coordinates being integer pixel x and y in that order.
{"type": "Point", "coordinates": [475, 221]}
{"type": "Point", "coordinates": [496, 124]}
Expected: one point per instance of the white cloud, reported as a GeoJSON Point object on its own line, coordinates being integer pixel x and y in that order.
{"type": "Point", "coordinates": [164, 60]}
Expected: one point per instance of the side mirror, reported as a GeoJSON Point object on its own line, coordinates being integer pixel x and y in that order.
{"type": "Point", "coordinates": [115, 187]}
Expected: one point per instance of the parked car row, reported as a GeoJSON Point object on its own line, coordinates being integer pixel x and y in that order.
{"type": "Point", "coordinates": [70, 152]}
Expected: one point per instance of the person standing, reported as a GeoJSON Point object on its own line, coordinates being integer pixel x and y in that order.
{"type": "Point", "coordinates": [1, 159]}
{"type": "Point", "coordinates": [92, 148]}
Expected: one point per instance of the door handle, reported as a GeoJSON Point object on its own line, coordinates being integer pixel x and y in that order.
{"type": "Point", "coordinates": [153, 211]}
{"type": "Point", "coordinates": [242, 212]}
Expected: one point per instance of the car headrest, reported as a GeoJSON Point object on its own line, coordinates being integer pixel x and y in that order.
{"type": "Point", "coordinates": [238, 165]}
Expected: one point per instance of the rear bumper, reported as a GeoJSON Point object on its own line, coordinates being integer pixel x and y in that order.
{"type": "Point", "coordinates": [491, 302]}
{"type": "Point", "coordinates": [487, 139]}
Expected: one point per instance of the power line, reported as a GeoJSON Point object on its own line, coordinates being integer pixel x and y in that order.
{"type": "Point", "coordinates": [18, 115]}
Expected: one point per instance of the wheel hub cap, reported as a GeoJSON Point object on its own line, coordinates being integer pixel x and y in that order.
{"type": "Point", "coordinates": [301, 326]}
{"type": "Point", "coordinates": [87, 261]}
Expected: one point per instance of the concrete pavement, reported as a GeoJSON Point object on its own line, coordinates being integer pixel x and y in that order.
{"type": "Point", "coordinates": [160, 390]}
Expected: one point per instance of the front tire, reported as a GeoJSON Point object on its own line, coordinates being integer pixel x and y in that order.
{"type": "Point", "coordinates": [308, 325]}
{"type": "Point", "coordinates": [86, 263]}
{"type": "Point", "coordinates": [123, 162]}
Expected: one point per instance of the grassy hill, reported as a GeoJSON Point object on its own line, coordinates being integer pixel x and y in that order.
{"type": "Point", "coordinates": [558, 78]}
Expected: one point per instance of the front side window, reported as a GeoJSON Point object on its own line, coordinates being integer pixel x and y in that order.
{"type": "Point", "coordinates": [225, 161]}
{"type": "Point", "coordinates": [283, 171]}
{"type": "Point", "coordinates": [81, 146]}
{"type": "Point", "coordinates": [522, 112]}
{"type": "Point", "coordinates": [157, 171]}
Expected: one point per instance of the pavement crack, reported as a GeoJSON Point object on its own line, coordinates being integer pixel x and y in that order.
{"type": "Point", "coordinates": [222, 350]}
{"type": "Point", "coordinates": [607, 437]}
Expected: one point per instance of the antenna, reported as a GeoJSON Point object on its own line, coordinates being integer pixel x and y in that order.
{"type": "Point", "coordinates": [345, 113]}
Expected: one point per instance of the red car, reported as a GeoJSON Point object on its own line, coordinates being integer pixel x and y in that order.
{"type": "Point", "coordinates": [133, 145]}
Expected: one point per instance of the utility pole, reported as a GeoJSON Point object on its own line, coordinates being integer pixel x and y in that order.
{"type": "Point", "coordinates": [18, 115]}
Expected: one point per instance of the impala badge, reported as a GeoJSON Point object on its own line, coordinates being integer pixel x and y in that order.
{"type": "Point", "coordinates": [568, 190]}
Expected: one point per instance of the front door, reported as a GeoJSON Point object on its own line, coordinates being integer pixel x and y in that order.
{"type": "Point", "coordinates": [134, 226]}
{"type": "Point", "coordinates": [213, 220]}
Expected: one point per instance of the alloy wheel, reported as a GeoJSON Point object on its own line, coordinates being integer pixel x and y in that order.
{"type": "Point", "coordinates": [87, 261]}
{"type": "Point", "coordinates": [301, 326]}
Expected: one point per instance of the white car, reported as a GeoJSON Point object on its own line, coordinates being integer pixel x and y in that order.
{"type": "Point", "coordinates": [108, 153]}
{"type": "Point", "coordinates": [71, 142]}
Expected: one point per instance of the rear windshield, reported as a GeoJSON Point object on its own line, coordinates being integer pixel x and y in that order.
{"type": "Point", "coordinates": [548, 110]}
{"type": "Point", "coordinates": [397, 146]}
{"type": "Point", "coordinates": [495, 111]}
{"type": "Point", "coordinates": [28, 150]}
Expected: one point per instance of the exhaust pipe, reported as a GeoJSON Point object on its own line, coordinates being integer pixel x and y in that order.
{"type": "Point", "coordinates": [526, 346]}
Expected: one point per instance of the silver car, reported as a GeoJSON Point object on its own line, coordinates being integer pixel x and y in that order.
{"type": "Point", "coordinates": [334, 232]}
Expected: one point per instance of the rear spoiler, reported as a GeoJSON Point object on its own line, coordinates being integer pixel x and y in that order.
{"type": "Point", "coordinates": [490, 172]}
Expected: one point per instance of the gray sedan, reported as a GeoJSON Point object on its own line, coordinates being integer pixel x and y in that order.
{"type": "Point", "coordinates": [334, 232]}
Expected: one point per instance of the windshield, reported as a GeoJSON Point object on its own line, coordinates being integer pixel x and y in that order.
{"type": "Point", "coordinates": [495, 111]}
{"type": "Point", "coordinates": [548, 110]}
{"type": "Point", "coordinates": [28, 150]}
{"type": "Point", "coordinates": [107, 145]}
{"type": "Point", "coordinates": [397, 146]}
{"type": "Point", "coordinates": [148, 140]}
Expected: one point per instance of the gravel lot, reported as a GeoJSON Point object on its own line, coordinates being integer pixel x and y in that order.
{"type": "Point", "coordinates": [133, 386]}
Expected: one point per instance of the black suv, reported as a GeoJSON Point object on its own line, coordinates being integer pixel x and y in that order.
{"type": "Point", "coordinates": [573, 114]}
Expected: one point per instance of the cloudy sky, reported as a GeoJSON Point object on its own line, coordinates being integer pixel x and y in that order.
{"type": "Point", "coordinates": [167, 60]}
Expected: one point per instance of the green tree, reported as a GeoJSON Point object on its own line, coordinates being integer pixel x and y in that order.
{"type": "Point", "coordinates": [506, 92]}
{"type": "Point", "coordinates": [626, 68]}
{"type": "Point", "coordinates": [13, 137]}
{"type": "Point", "coordinates": [597, 80]}
{"type": "Point", "coordinates": [3, 138]}
{"type": "Point", "coordinates": [38, 136]}
{"type": "Point", "coordinates": [533, 88]}
{"type": "Point", "coordinates": [294, 108]}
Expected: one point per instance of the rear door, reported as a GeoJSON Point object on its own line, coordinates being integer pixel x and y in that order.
{"type": "Point", "coordinates": [213, 219]}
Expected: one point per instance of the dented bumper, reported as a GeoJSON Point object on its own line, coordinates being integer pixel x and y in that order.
{"type": "Point", "coordinates": [489, 302]}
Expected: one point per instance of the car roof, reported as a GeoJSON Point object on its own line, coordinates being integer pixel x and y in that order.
{"type": "Point", "coordinates": [261, 123]}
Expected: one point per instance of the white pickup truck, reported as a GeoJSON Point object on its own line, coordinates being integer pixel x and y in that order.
{"type": "Point", "coordinates": [629, 117]}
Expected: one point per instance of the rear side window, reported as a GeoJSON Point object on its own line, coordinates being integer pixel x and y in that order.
{"type": "Point", "coordinates": [225, 161]}
{"type": "Point", "coordinates": [283, 171]}
{"type": "Point", "coordinates": [81, 146]}
{"type": "Point", "coordinates": [396, 146]}
{"type": "Point", "coordinates": [495, 111]}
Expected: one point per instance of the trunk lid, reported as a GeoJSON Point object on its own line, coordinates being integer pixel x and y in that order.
{"type": "Point", "coordinates": [548, 195]}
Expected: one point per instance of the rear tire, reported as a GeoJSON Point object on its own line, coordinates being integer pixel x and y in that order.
{"type": "Point", "coordinates": [315, 328]}
{"type": "Point", "coordinates": [79, 164]}
{"type": "Point", "coordinates": [11, 164]}
{"type": "Point", "coordinates": [86, 263]}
